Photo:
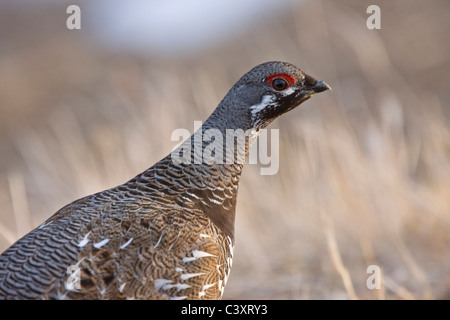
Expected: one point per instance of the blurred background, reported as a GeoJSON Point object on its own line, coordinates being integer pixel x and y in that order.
{"type": "Point", "coordinates": [364, 173]}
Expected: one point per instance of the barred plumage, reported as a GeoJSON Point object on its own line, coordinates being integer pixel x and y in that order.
{"type": "Point", "coordinates": [168, 233]}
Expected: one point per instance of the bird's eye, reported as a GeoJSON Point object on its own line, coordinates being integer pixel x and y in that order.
{"type": "Point", "coordinates": [280, 81]}
{"type": "Point", "coordinates": [279, 84]}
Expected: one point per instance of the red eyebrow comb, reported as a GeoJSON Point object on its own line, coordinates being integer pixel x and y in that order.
{"type": "Point", "coordinates": [288, 78]}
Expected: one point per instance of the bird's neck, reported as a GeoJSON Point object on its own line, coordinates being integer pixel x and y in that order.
{"type": "Point", "coordinates": [204, 172]}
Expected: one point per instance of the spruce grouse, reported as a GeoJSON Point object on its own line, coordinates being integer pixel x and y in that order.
{"type": "Point", "coordinates": [168, 233]}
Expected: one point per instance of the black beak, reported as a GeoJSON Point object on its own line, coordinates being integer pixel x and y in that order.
{"type": "Point", "coordinates": [320, 86]}
{"type": "Point", "coordinates": [309, 87]}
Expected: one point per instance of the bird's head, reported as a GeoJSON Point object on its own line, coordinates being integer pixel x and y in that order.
{"type": "Point", "coordinates": [266, 92]}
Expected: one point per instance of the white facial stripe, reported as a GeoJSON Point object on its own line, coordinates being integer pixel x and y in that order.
{"type": "Point", "coordinates": [266, 101]}
{"type": "Point", "coordinates": [288, 91]}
